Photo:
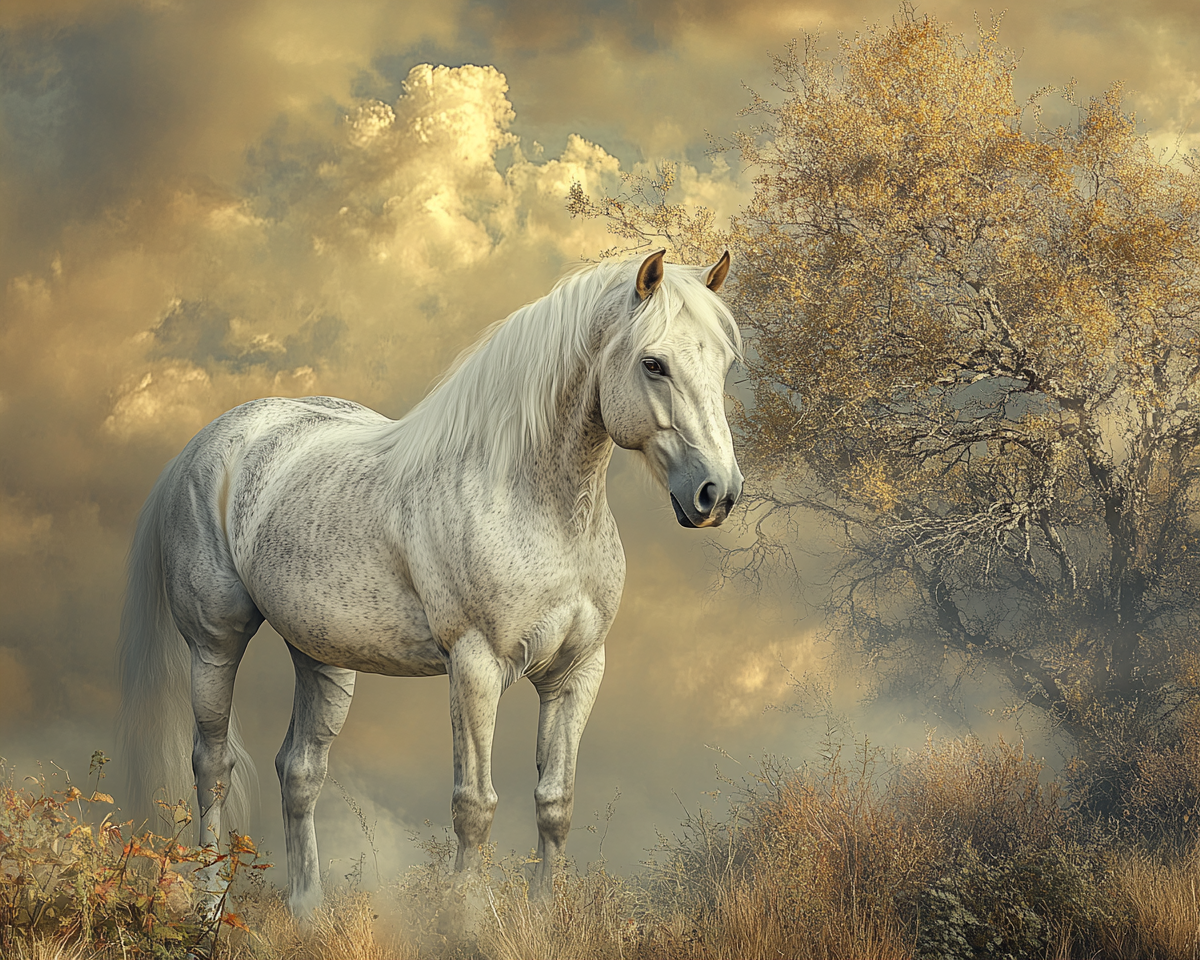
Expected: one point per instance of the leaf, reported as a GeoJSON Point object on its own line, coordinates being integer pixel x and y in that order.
{"type": "Point", "coordinates": [233, 920]}
{"type": "Point", "coordinates": [240, 843]}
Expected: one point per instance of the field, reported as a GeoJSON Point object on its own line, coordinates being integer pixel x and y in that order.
{"type": "Point", "coordinates": [963, 850]}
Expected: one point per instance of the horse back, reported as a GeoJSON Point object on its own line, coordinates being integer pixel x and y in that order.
{"type": "Point", "coordinates": [280, 513]}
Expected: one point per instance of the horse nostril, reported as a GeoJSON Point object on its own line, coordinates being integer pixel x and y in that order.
{"type": "Point", "coordinates": [706, 499]}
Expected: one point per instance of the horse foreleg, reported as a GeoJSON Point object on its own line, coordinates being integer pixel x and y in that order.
{"type": "Point", "coordinates": [319, 708]}
{"type": "Point", "coordinates": [213, 674]}
{"type": "Point", "coordinates": [476, 682]}
{"type": "Point", "coordinates": [566, 706]}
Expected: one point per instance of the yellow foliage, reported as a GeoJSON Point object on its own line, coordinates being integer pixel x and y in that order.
{"type": "Point", "coordinates": [973, 348]}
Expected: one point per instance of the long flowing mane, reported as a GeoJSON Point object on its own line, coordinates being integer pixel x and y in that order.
{"type": "Point", "coordinates": [501, 394]}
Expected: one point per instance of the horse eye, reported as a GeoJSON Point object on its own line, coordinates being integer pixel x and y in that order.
{"type": "Point", "coordinates": [652, 365]}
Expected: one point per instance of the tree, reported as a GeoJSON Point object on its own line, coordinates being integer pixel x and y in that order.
{"type": "Point", "coordinates": [974, 352]}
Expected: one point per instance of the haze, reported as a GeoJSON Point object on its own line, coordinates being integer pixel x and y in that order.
{"type": "Point", "coordinates": [207, 203]}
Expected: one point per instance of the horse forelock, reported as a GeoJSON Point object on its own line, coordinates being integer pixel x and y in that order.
{"type": "Point", "coordinates": [683, 294]}
{"type": "Point", "coordinates": [502, 393]}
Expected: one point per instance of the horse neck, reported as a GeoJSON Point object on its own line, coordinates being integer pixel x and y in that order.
{"type": "Point", "coordinates": [568, 466]}
{"type": "Point", "coordinates": [565, 460]}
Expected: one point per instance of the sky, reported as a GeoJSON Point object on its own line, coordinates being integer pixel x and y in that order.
{"type": "Point", "coordinates": [205, 203]}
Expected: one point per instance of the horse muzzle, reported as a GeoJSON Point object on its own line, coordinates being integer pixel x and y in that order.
{"type": "Point", "coordinates": [703, 503]}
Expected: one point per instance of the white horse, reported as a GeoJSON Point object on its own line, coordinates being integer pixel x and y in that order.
{"type": "Point", "coordinates": [471, 538]}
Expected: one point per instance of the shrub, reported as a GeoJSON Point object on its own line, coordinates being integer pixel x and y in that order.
{"type": "Point", "coordinates": [991, 798]}
{"type": "Point", "coordinates": [1011, 906]}
{"type": "Point", "coordinates": [962, 851]}
{"type": "Point", "coordinates": [1007, 877]}
{"type": "Point", "coordinates": [1136, 778]}
{"type": "Point", "coordinates": [68, 877]}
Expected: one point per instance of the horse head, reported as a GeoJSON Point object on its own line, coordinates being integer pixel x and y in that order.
{"type": "Point", "coordinates": [662, 386]}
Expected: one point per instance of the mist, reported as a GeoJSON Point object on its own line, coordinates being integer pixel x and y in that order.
{"type": "Point", "coordinates": [204, 205]}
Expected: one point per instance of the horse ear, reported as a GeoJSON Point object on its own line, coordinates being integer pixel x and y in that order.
{"type": "Point", "coordinates": [716, 276]}
{"type": "Point", "coordinates": [650, 274]}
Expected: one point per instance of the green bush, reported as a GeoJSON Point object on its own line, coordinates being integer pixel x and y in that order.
{"type": "Point", "coordinates": [1012, 906]}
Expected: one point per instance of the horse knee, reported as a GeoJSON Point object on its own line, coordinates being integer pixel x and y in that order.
{"type": "Point", "coordinates": [473, 811]}
{"type": "Point", "coordinates": [301, 778]}
{"type": "Point", "coordinates": [554, 808]}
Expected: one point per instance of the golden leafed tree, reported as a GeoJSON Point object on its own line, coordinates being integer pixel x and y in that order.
{"type": "Point", "coordinates": [974, 354]}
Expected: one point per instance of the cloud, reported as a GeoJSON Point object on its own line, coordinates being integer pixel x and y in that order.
{"type": "Point", "coordinates": [374, 249]}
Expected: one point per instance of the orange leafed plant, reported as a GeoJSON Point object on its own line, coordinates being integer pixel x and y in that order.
{"type": "Point", "coordinates": [68, 876]}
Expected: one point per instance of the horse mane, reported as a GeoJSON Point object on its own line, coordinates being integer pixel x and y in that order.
{"type": "Point", "coordinates": [501, 394]}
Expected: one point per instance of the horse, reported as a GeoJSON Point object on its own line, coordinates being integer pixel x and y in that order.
{"type": "Point", "coordinates": [472, 537]}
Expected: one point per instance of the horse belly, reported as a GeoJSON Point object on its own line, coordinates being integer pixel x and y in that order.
{"type": "Point", "coordinates": [391, 641]}
{"type": "Point", "coordinates": [373, 624]}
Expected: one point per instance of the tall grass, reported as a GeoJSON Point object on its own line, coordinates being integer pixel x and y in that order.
{"type": "Point", "coordinates": [964, 850]}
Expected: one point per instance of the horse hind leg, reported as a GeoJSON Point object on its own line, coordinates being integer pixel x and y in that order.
{"type": "Point", "coordinates": [319, 708]}
{"type": "Point", "coordinates": [214, 669]}
{"type": "Point", "coordinates": [217, 617]}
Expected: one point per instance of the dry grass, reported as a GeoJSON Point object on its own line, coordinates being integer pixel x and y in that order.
{"type": "Point", "coordinates": [590, 917]}
{"type": "Point", "coordinates": [346, 928]}
{"type": "Point", "coordinates": [824, 857]}
{"type": "Point", "coordinates": [963, 851]}
{"type": "Point", "coordinates": [760, 918]}
{"type": "Point", "coordinates": [804, 866]}
{"type": "Point", "coordinates": [50, 949]}
{"type": "Point", "coordinates": [1162, 905]}
{"type": "Point", "coordinates": [960, 852]}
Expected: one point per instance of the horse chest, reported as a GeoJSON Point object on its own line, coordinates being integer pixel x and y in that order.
{"type": "Point", "coordinates": [526, 586]}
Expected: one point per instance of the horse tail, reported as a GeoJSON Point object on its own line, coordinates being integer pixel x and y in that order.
{"type": "Point", "coordinates": [155, 724]}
